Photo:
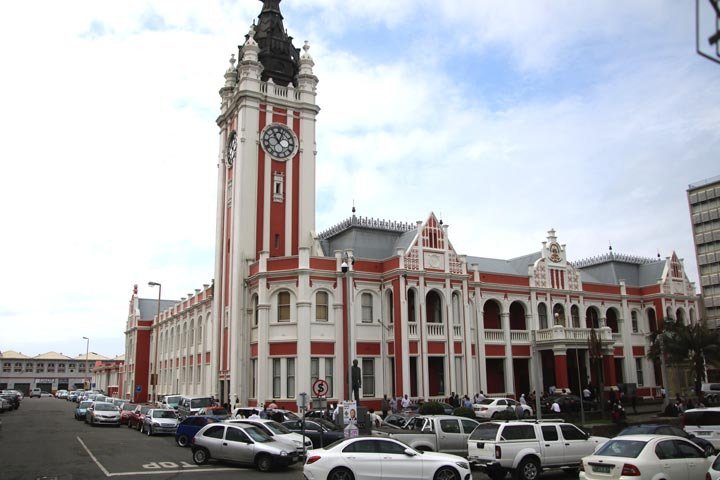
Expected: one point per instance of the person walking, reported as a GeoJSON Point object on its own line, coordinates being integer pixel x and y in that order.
{"type": "Point", "coordinates": [385, 406]}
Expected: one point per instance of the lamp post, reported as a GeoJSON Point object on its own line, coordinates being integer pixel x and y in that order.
{"type": "Point", "coordinates": [344, 267]}
{"type": "Point", "coordinates": [156, 333]}
{"type": "Point", "coordinates": [87, 353]}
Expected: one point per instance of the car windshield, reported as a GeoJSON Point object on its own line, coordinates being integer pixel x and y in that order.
{"type": "Point", "coordinates": [257, 434]}
{"type": "Point", "coordinates": [621, 448]}
{"type": "Point", "coordinates": [277, 428]}
{"type": "Point", "coordinates": [200, 402]}
{"type": "Point", "coordinates": [105, 407]}
{"type": "Point", "coordinates": [485, 431]}
{"type": "Point", "coordinates": [129, 406]}
{"type": "Point", "coordinates": [638, 430]}
{"type": "Point", "coordinates": [172, 400]}
{"type": "Point", "coordinates": [164, 414]}
{"type": "Point", "coordinates": [85, 404]}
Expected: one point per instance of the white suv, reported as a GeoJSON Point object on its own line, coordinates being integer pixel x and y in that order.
{"type": "Point", "coordinates": [526, 448]}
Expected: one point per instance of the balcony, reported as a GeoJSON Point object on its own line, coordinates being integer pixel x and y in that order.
{"type": "Point", "coordinates": [412, 330]}
{"type": "Point", "coordinates": [494, 336]}
{"type": "Point", "coordinates": [573, 336]}
{"type": "Point", "coordinates": [435, 330]}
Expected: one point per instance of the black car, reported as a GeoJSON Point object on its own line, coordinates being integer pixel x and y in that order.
{"type": "Point", "coordinates": [319, 430]}
{"type": "Point", "coordinates": [568, 403]}
{"type": "Point", "coordinates": [13, 398]}
{"type": "Point", "coordinates": [656, 429]}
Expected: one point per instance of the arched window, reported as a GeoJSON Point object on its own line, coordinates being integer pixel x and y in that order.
{"type": "Point", "coordinates": [517, 316]}
{"type": "Point", "coordinates": [559, 315]}
{"type": "Point", "coordinates": [680, 316]}
{"type": "Point", "coordinates": [411, 306]}
{"type": "Point", "coordinates": [434, 307]}
{"type": "Point", "coordinates": [254, 303]}
{"type": "Point", "coordinates": [491, 315]}
{"type": "Point", "coordinates": [191, 333]}
{"type": "Point", "coordinates": [283, 306]}
{"type": "Point", "coordinates": [321, 306]}
{"type": "Point", "coordinates": [456, 311]}
{"type": "Point", "coordinates": [575, 314]}
{"type": "Point", "coordinates": [366, 302]}
{"type": "Point", "coordinates": [591, 318]}
{"type": "Point", "coordinates": [611, 320]}
{"type": "Point", "coordinates": [390, 315]}
{"type": "Point", "coordinates": [692, 316]}
{"type": "Point", "coordinates": [634, 321]}
{"type": "Point", "coordinates": [652, 319]}
{"type": "Point", "coordinates": [199, 330]}
{"type": "Point", "coordinates": [542, 315]}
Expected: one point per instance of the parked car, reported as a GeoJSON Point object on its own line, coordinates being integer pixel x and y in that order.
{"type": "Point", "coordinates": [568, 403]}
{"type": "Point", "coordinates": [81, 410]}
{"type": "Point", "coordinates": [492, 407]}
{"type": "Point", "coordinates": [218, 413]}
{"type": "Point", "coordinates": [192, 405]}
{"type": "Point", "coordinates": [61, 394]}
{"type": "Point", "coordinates": [320, 431]}
{"type": "Point", "coordinates": [35, 392]}
{"type": "Point", "coordinates": [526, 448]}
{"type": "Point", "coordinates": [138, 416]}
{"type": "Point", "coordinates": [433, 433]}
{"type": "Point", "coordinates": [126, 411]}
{"type": "Point", "coordinates": [13, 399]}
{"type": "Point", "coordinates": [243, 444]}
{"type": "Point", "coordinates": [102, 413]}
{"type": "Point", "coordinates": [170, 401]}
{"type": "Point", "coordinates": [703, 423]}
{"type": "Point", "coordinates": [187, 429]}
{"type": "Point", "coordinates": [656, 429]}
{"type": "Point", "coordinates": [279, 432]}
{"type": "Point", "coordinates": [364, 457]}
{"type": "Point", "coordinates": [713, 472]}
{"type": "Point", "coordinates": [5, 405]}
{"type": "Point", "coordinates": [159, 420]}
{"type": "Point", "coordinates": [646, 457]}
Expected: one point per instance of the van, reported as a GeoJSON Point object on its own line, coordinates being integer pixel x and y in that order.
{"type": "Point", "coordinates": [35, 392]}
{"type": "Point", "coordinates": [191, 405]}
{"type": "Point", "coordinates": [703, 423]}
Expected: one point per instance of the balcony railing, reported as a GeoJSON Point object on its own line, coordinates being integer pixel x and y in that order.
{"type": "Point", "coordinates": [519, 336]}
{"type": "Point", "coordinates": [435, 330]}
{"type": "Point", "coordinates": [572, 335]}
{"type": "Point", "coordinates": [494, 336]}
{"type": "Point", "coordinates": [457, 331]}
{"type": "Point", "coordinates": [412, 329]}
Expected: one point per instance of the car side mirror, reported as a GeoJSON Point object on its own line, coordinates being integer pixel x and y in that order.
{"type": "Point", "coordinates": [409, 452]}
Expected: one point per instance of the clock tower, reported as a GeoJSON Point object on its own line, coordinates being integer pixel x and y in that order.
{"type": "Point", "coordinates": [266, 179]}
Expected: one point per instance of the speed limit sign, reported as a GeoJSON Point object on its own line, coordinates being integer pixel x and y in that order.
{"type": "Point", "coordinates": [320, 387]}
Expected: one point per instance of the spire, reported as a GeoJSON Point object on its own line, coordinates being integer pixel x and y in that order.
{"type": "Point", "coordinates": [277, 54]}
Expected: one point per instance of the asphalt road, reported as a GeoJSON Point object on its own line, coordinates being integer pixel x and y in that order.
{"type": "Point", "coordinates": [42, 440]}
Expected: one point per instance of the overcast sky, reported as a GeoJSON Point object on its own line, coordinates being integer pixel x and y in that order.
{"type": "Point", "coordinates": [506, 118]}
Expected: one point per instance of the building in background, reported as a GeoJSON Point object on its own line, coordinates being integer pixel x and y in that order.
{"type": "Point", "coordinates": [704, 201]}
{"type": "Point", "coordinates": [108, 375]}
{"type": "Point", "coordinates": [49, 371]}
{"type": "Point", "coordinates": [289, 306]}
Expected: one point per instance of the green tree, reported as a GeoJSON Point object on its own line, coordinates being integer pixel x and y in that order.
{"type": "Point", "coordinates": [694, 344]}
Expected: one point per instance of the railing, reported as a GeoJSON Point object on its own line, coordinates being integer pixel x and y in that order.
{"type": "Point", "coordinates": [494, 336]}
{"type": "Point", "coordinates": [435, 330]}
{"type": "Point", "coordinates": [519, 336]}
{"type": "Point", "coordinates": [412, 329]}
{"type": "Point", "coordinates": [457, 330]}
{"type": "Point", "coordinates": [574, 335]}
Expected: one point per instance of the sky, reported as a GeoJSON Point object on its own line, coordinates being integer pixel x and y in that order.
{"type": "Point", "coordinates": [505, 118]}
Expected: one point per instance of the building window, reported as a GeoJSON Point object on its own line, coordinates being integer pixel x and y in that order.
{"type": "Point", "coordinates": [321, 306]}
{"type": "Point", "coordinates": [253, 379]}
{"type": "Point", "coordinates": [18, 368]}
{"type": "Point", "coordinates": [634, 319]}
{"type": "Point", "coordinates": [51, 367]}
{"type": "Point", "coordinates": [190, 375]}
{"type": "Point", "coordinates": [255, 310]}
{"type": "Point", "coordinates": [276, 378]}
{"type": "Point", "coordinates": [28, 367]}
{"type": "Point", "coordinates": [368, 377]}
{"type": "Point", "coordinates": [40, 368]}
{"type": "Point", "coordinates": [329, 376]}
{"type": "Point", "coordinates": [290, 384]}
{"type": "Point", "coordinates": [367, 308]}
{"type": "Point", "coordinates": [639, 370]}
{"type": "Point", "coordinates": [542, 314]}
{"type": "Point", "coordinates": [61, 367]}
{"type": "Point", "coordinates": [283, 311]}
{"type": "Point", "coordinates": [314, 369]}
{"type": "Point", "coordinates": [575, 314]}
{"type": "Point", "coordinates": [6, 367]}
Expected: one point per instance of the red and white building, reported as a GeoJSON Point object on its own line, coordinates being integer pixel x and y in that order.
{"type": "Point", "coordinates": [421, 318]}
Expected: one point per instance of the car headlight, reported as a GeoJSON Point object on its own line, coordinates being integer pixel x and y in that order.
{"type": "Point", "coordinates": [283, 453]}
{"type": "Point", "coordinates": [298, 443]}
{"type": "Point", "coordinates": [463, 465]}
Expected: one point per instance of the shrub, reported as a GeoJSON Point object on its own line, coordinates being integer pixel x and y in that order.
{"type": "Point", "coordinates": [431, 408]}
{"type": "Point", "coordinates": [465, 412]}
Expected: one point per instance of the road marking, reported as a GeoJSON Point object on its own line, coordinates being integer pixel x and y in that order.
{"type": "Point", "coordinates": [161, 472]}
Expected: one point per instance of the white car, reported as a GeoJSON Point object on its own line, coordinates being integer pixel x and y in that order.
{"type": "Point", "coordinates": [646, 457]}
{"type": "Point", "coordinates": [714, 472]}
{"type": "Point", "coordinates": [492, 407]}
{"type": "Point", "coordinates": [279, 432]}
{"type": "Point", "coordinates": [377, 458]}
{"type": "Point", "coordinates": [703, 423]}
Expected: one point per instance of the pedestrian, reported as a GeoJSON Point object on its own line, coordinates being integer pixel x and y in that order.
{"type": "Point", "coordinates": [555, 407]}
{"type": "Point", "coordinates": [481, 396]}
{"type": "Point", "coordinates": [393, 405]}
{"type": "Point", "coordinates": [406, 402]}
{"type": "Point", "coordinates": [375, 419]}
{"type": "Point", "coordinates": [523, 401]}
{"type": "Point", "coordinates": [385, 406]}
{"type": "Point", "coordinates": [519, 411]}
{"type": "Point", "coordinates": [264, 412]}
{"type": "Point", "coordinates": [467, 403]}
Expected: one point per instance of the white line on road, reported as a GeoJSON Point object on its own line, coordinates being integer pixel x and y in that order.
{"type": "Point", "coordinates": [160, 472]}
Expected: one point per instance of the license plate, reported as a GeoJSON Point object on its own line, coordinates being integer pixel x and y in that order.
{"type": "Point", "coordinates": [602, 468]}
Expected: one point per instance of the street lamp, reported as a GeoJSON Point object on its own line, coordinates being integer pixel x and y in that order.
{"type": "Point", "coordinates": [153, 375]}
{"type": "Point", "coordinates": [87, 353]}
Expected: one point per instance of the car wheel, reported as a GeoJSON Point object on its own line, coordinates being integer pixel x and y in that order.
{"type": "Point", "coordinates": [340, 474]}
{"type": "Point", "coordinates": [495, 415]}
{"type": "Point", "coordinates": [263, 463]}
{"type": "Point", "coordinates": [528, 469]}
{"type": "Point", "coordinates": [201, 456]}
{"type": "Point", "coordinates": [182, 440]}
{"type": "Point", "coordinates": [446, 473]}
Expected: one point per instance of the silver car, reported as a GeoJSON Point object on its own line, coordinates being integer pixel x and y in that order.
{"type": "Point", "coordinates": [159, 420]}
{"type": "Point", "coordinates": [102, 413]}
{"type": "Point", "coordinates": [243, 444]}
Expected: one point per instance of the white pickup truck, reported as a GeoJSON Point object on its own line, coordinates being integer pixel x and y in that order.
{"type": "Point", "coordinates": [526, 448]}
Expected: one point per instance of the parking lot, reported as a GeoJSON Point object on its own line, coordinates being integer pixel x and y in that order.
{"type": "Point", "coordinates": [42, 440]}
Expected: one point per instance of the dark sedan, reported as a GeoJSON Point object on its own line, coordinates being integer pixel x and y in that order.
{"type": "Point", "coordinates": [568, 403]}
{"type": "Point", "coordinates": [319, 430]}
{"type": "Point", "coordinates": [655, 429]}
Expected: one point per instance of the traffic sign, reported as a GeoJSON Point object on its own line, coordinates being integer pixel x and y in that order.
{"type": "Point", "coordinates": [320, 387]}
{"type": "Point", "coordinates": [138, 388]}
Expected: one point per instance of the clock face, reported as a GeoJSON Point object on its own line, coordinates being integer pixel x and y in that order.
{"type": "Point", "coordinates": [231, 150]}
{"type": "Point", "coordinates": [278, 141]}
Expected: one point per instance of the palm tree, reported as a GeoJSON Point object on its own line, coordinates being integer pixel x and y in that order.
{"type": "Point", "coordinates": [681, 344]}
